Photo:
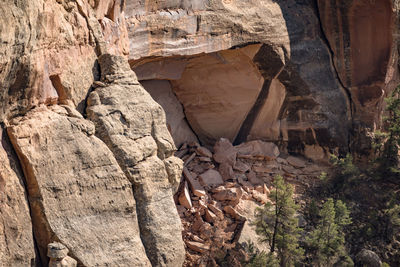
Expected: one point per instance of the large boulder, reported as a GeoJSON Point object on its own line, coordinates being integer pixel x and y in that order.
{"type": "Point", "coordinates": [367, 258]}
{"type": "Point", "coordinates": [78, 194]}
{"type": "Point", "coordinates": [134, 128]}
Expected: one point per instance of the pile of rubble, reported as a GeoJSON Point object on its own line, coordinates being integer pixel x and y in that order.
{"type": "Point", "coordinates": [220, 191]}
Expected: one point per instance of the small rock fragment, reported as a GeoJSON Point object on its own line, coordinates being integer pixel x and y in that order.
{"type": "Point", "coordinates": [58, 255]}
{"type": "Point", "coordinates": [224, 152]}
{"type": "Point", "coordinates": [233, 213]}
{"type": "Point", "coordinates": [260, 197]}
{"type": "Point", "coordinates": [216, 211]}
{"type": "Point", "coordinates": [251, 176]}
{"type": "Point", "coordinates": [202, 151]}
{"type": "Point", "coordinates": [226, 171]}
{"type": "Point", "coordinates": [211, 178]}
{"type": "Point", "coordinates": [184, 197]}
{"type": "Point", "coordinates": [240, 166]}
{"type": "Point", "coordinates": [296, 162]}
{"type": "Point", "coordinates": [197, 246]}
{"type": "Point", "coordinates": [258, 149]}
{"type": "Point", "coordinates": [210, 216]}
{"type": "Point", "coordinates": [195, 186]}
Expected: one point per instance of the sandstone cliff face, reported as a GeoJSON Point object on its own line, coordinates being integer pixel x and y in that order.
{"type": "Point", "coordinates": [361, 35]}
{"type": "Point", "coordinates": [79, 196]}
{"type": "Point", "coordinates": [16, 238]}
{"type": "Point", "coordinates": [284, 88]}
{"type": "Point", "coordinates": [304, 74]}
{"type": "Point", "coordinates": [78, 193]}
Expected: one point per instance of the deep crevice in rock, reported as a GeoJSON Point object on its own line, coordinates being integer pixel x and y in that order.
{"type": "Point", "coordinates": [20, 173]}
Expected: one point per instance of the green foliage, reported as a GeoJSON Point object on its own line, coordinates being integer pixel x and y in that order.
{"type": "Point", "coordinates": [345, 166]}
{"type": "Point", "coordinates": [312, 212]}
{"type": "Point", "coordinates": [326, 241]}
{"type": "Point", "coordinates": [388, 152]}
{"type": "Point", "coordinates": [323, 176]}
{"type": "Point", "coordinates": [391, 218]}
{"type": "Point", "coordinates": [384, 264]}
{"type": "Point", "coordinates": [342, 216]}
{"type": "Point", "coordinates": [277, 225]}
{"type": "Point", "coordinates": [259, 259]}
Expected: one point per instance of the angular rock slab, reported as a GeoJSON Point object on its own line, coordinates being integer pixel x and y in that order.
{"type": "Point", "coordinates": [16, 238]}
{"type": "Point", "coordinates": [133, 126]}
{"type": "Point", "coordinates": [78, 194]}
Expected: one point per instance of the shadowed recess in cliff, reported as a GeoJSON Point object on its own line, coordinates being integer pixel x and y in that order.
{"type": "Point", "coordinates": [220, 89]}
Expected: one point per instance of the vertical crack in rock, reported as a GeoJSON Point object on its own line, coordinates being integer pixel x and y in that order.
{"type": "Point", "coordinates": [350, 105]}
{"type": "Point", "coordinates": [78, 194]}
{"type": "Point", "coordinates": [270, 63]}
{"type": "Point", "coordinates": [133, 126]}
{"type": "Point", "coordinates": [17, 242]}
{"type": "Point", "coordinates": [332, 56]}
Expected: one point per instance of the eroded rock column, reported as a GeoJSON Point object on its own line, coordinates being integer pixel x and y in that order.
{"type": "Point", "coordinates": [78, 194]}
{"type": "Point", "coordinates": [133, 126]}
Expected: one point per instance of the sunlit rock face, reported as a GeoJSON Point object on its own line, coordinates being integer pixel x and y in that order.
{"type": "Point", "coordinates": [243, 69]}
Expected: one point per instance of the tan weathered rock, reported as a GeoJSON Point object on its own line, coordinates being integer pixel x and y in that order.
{"type": "Point", "coordinates": [262, 169]}
{"type": "Point", "coordinates": [162, 93]}
{"type": "Point", "coordinates": [314, 152]}
{"type": "Point", "coordinates": [133, 126]}
{"type": "Point", "coordinates": [247, 208]}
{"type": "Point", "coordinates": [210, 216]}
{"type": "Point", "coordinates": [283, 90]}
{"type": "Point", "coordinates": [216, 211]}
{"type": "Point", "coordinates": [184, 197]}
{"type": "Point", "coordinates": [266, 190]}
{"type": "Point", "coordinates": [197, 246]}
{"type": "Point", "coordinates": [174, 167]}
{"type": "Point", "coordinates": [81, 197]}
{"type": "Point", "coordinates": [260, 197]}
{"type": "Point", "coordinates": [195, 186]}
{"type": "Point", "coordinates": [233, 213]}
{"type": "Point", "coordinates": [16, 239]}
{"type": "Point", "coordinates": [228, 194]}
{"type": "Point", "coordinates": [58, 255]}
{"type": "Point", "coordinates": [211, 178]}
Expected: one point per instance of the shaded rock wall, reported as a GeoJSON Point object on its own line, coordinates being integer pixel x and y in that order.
{"type": "Point", "coordinates": [267, 72]}
{"type": "Point", "coordinates": [361, 35]}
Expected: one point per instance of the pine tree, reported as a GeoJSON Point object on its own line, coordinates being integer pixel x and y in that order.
{"type": "Point", "coordinates": [388, 158]}
{"type": "Point", "coordinates": [326, 241]}
{"type": "Point", "coordinates": [277, 225]}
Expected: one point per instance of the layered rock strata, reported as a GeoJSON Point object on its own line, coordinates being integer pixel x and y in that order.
{"type": "Point", "coordinates": [133, 126]}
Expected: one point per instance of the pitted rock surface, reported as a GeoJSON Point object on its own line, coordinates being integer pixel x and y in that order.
{"type": "Point", "coordinates": [133, 126]}
{"type": "Point", "coordinates": [78, 193]}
